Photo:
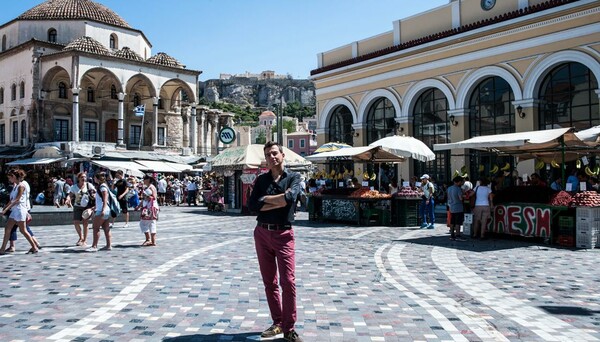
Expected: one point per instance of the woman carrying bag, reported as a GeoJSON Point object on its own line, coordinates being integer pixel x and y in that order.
{"type": "Point", "coordinates": [19, 209]}
{"type": "Point", "coordinates": [149, 214]}
{"type": "Point", "coordinates": [81, 198]}
{"type": "Point", "coordinates": [102, 214]}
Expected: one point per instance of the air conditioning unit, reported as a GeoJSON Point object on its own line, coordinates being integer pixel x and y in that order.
{"type": "Point", "coordinates": [186, 151]}
{"type": "Point", "coordinates": [98, 150]}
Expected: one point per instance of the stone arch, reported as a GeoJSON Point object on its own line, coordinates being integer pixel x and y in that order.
{"type": "Point", "coordinates": [170, 91]}
{"type": "Point", "coordinates": [371, 96]}
{"type": "Point", "coordinates": [100, 80]}
{"type": "Point", "coordinates": [51, 80]}
{"type": "Point", "coordinates": [330, 107]}
{"type": "Point", "coordinates": [538, 72]}
{"type": "Point", "coordinates": [468, 83]}
{"type": "Point", "coordinates": [418, 88]}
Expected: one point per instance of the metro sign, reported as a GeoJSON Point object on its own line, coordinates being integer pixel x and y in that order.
{"type": "Point", "coordinates": [227, 135]}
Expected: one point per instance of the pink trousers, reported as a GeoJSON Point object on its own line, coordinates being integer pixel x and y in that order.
{"type": "Point", "coordinates": [276, 252]}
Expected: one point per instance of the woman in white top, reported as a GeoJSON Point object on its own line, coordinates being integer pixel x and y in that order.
{"type": "Point", "coordinates": [19, 207]}
{"type": "Point", "coordinates": [102, 215]}
{"type": "Point", "coordinates": [482, 211]}
{"type": "Point", "coordinates": [149, 211]}
{"type": "Point", "coordinates": [80, 198]}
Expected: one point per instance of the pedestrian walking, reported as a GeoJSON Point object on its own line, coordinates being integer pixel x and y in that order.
{"type": "Point", "coordinates": [273, 197]}
{"type": "Point", "coordinates": [102, 215]}
{"type": "Point", "coordinates": [428, 204]}
{"type": "Point", "coordinates": [149, 214]}
{"type": "Point", "coordinates": [122, 191]}
{"type": "Point", "coordinates": [455, 204]}
{"type": "Point", "coordinates": [81, 198]}
{"type": "Point", "coordinates": [19, 209]}
{"type": "Point", "coordinates": [483, 205]}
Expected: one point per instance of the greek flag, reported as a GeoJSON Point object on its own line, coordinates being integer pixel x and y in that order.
{"type": "Point", "coordinates": [140, 110]}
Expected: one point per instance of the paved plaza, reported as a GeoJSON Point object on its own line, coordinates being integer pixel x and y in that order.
{"type": "Point", "coordinates": [201, 283]}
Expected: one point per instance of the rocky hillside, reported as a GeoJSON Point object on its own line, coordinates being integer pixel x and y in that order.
{"type": "Point", "coordinates": [258, 93]}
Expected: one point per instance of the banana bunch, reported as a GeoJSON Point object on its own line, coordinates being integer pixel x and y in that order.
{"type": "Point", "coordinates": [539, 164]}
{"type": "Point", "coordinates": [373, 176]}
{"type": "Point", "coordinates": [481, 168]}
{"type": "Point", "coordinates": [458, 173]}
{"type": "Point", "coordinates": [591, 173]}
{"type": "Point", "coordinates": [463, 170]}
{"type": "Point", "coordinates": [494, 170]}
{"type": "Point", "coordinates": [578, 164]}
{"type": "Point", "coordinates": [366, 175]}
{"type": "Point", "coordinates": [506, 167]}
{"type": "Point", "coordinates": [555, 164]}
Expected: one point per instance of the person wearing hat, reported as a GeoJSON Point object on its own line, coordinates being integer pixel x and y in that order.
{"type": "Point", "coordinates": [427, 205]}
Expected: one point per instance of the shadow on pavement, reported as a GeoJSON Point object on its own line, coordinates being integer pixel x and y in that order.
{"type": "Point", "coordinates": [254, 336]}
{"type": "Point", "coordinates": [493, 243]}
{"type": "Point", "coordinates": [569, 310]}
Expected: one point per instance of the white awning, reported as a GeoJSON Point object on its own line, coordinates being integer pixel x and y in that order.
{"type": "Point", "coordinates": [362, 153]}
{"type": "Point", "coordinates": [517, 142]}
{"type": "Point", "coordinates": [159, 166]}
{"type": "Point", "coordinates": [129, 168]}
{"type": "Point", "coordinates": [36, 161]}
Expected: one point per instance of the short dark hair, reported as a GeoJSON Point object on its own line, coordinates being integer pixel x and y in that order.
{"type": "Point", "coordinates": [270, 144]}
{"type": "Point", "coordinates": [457, 179]}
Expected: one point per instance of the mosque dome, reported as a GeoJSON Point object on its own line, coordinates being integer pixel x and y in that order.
{"type": "Point", "coordinates": [127, 53]}
{"type": "Point", "coordinates": [73, 10]}
{"type": "Point", "coordinates": [162, 58]}
{"type": "Point", "coordinates": [87, 44]}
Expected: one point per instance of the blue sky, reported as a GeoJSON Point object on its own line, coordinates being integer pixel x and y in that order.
{"type": "Point", "coordinates": [234, 36]}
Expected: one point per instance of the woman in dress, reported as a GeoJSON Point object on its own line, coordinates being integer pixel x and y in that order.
{"type": "Point", "coordinates": [149, 214]}
{"type": "Point", "coordinates": [80, 198]}
{"type": "Point", "coordinates": [18, 207]}
{"type": "Point", "coordinates": [102, 214]}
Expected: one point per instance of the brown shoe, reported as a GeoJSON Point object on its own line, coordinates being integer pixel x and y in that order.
{"type": "Point", "coordinates": [272, 331]}
{"type": "Point", "coordinates": [292, 336]}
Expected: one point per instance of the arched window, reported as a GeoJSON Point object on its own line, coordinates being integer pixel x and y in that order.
{"type": "Point", "coordinates": [1, 95]}
{"type": "Point", "coordinates": [113, 92]}
{"type": "Point", "coordinates": [137, 100]}
{"type": "Point", "coordinates": [490, 108]}
{"type": "Point", "coordinates": [52, 35]}
{"type": "Point", "coordinates": [380, 120]}
{"type": "Point", "coordinates": [3, 42]}
{"type": "Point", "coordinates": [23, 131]}
{"type": "Point", "coordinates": [62, 90]}
{"type": "Point", "coordinates": [114, 42]}
{"type": "Point", "coordinates": [13, 92]}
{"type": "Point", "coordinates": [567, 98]}
{"type": "Point", "coordinates": [490, 112]}
{"type": "Point", "coordinates": [431, 126]}
{"type": "Point", "coordinates": [90, 95]}
{"type": "Point", "coordinates": [340, 125]}
{"type": "Point", "coordinates": [22, 91]}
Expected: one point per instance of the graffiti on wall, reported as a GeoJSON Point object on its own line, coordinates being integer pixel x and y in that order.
{"type": "Point", "coordinates": [522, 220]}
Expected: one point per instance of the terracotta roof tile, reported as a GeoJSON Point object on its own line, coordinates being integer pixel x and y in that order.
{"type": "Point", "coordinates": [87, 44]}
{"type": "Point", "coordinates": [73, 9]}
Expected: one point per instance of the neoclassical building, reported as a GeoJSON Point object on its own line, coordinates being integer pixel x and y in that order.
{"type": "Point", "coordinates": [74, 71]}
{"type": "Point", "coordinates": [465, 69]}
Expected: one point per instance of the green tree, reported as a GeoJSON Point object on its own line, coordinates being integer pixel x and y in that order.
{"type": "Point", "coordinates": [287, 124]}
{"type": "Point", "coordinates": [261, 138]}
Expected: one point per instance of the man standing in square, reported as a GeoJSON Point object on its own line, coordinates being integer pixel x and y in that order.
{"type": "Point", "coordinates": [274, 198]}
{"type": "Point", "coordinates": [427, 205]}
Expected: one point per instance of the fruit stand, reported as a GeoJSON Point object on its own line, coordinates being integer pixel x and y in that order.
{"type": "Point", "coordinates": [356, 206]}
{"type": "Point", "coordinates": [539, 211]}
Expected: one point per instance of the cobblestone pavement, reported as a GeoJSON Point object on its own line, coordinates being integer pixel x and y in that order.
{"type": "Point", "coordinates": [201, 283]}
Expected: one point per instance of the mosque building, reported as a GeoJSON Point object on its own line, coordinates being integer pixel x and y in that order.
{"type": "Point", "coordinates": [75, 74]}
{"type": "Point", "coordinates": [465, 69]}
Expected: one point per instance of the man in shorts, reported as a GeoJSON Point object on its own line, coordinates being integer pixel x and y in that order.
{"type": "Point", "coordinates": [455, 203]}
{"type": "Point", "coordinates": [162, 190]}
{"type": "Point", "coordinates": [122, 191]}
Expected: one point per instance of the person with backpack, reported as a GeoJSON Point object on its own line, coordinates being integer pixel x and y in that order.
{"type": "Point", "coordinates": [102, 214]}
{"type": "Point", "coordinates": [81, 198]}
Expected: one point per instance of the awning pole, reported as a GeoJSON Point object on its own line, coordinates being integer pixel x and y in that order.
{"type": "Point", "coordinates": [562, 165]}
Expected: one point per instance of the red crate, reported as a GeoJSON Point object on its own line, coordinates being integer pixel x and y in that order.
{"type": "Point", "coordinates": [566, 241]}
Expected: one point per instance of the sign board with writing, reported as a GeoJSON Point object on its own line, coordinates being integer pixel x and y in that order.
{"type": "Point", "coordinates": [227, 135]}
{"type": "Point", "coordinates": [522, 219]}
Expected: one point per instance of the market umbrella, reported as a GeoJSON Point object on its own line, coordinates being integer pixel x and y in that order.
{"type": "Point", "coordinates": [331, 146]}
{"type": "Point", "coordinates": [590, 136]}
{"type": "Point", "coordinates": [407, 147]}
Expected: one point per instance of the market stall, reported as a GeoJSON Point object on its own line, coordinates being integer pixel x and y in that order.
{"type": "Point", "coordinates": [534, 211]}
{"type": "Point", "coordinates": [241, 165]}
{"type": "Point", "coordinates": [363, 206]}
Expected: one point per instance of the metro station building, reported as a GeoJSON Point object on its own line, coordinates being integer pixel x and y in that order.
{"type": "Point", "coordinates": [468, 68]}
